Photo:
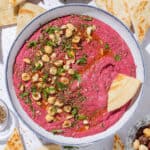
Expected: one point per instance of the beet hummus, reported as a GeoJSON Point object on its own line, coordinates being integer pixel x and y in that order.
{"type": "Point", "coordinates": [63, 72]}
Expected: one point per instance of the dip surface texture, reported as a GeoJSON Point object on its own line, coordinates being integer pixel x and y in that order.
{"type": "Point", "coordinates": [63, 72]}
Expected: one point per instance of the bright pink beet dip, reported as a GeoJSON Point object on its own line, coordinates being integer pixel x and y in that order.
{"type": "Point", "coordinates": [96, 78]}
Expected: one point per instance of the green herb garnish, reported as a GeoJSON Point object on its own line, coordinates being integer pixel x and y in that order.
{"type": "Point", "coordinates": [51, 43]}
{"type": "Point", "coordinates": [76, 76]}
{"type": "Point", "coordinates": [82, 60]}
{"type": "Point", "coordinates": [51, 30]}
{"type": "Point", "coordinates": [117, 57]}
{"type": "Point", "coordinates": [32, 44]}
{"type": "Point", "coordinates": [23, 95]}
{"type": "Point", "coordinates": [82, 117]}
{"type": "Point", "coordinates": [61, 86]}
{"type": "Point", "coordinates": [45, 77]}
{"type": "Point", "coordinates": [57, 131]}
{"type": "Point", "coordinates": [28, 101]}
{"type": "Point", "coordinates": [33, 89]}
{"type": "Point", "coordinates": [70, 53]}
{"type": "Point", "coordinates": [74, 111]}
{"type": "Point", "coordinates": [50, 89]}
{"type": "Point", "coordinates": [60, 70]}
{"type": "Point", "coordinates": [88, 18]}
{"type": "Point", "coordinates": [107, 46]}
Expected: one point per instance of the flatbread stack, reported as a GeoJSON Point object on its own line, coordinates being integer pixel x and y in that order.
{"type": "Point", "coordinates": [134, 13]}
{"type": "Point", "coordinates": [122, 90]}
{"type": "Point", "coordinates": [118, 144]}
{"type": "Point", "coordinates": [18, 12]}
{"type": "Point", "coordinates": [14, 142]}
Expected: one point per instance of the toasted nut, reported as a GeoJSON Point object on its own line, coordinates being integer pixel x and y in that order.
{"type": "Point", "coordinates": [146, 132]}
{"type": "Point", "coordinates": [71, 71]}
{"type": "Point", "coordinates": [39, 53]}
{"type": "Point", "coordinates": [63, 26]}
{"type": "Point", "coordinates": [53, 56]}
{"type": "Point", "coordinates": [69, 117]}
{"type": "Point", "coordinates": [66, 67]}
{"type": "Point", "coordinates": [53, 79]}
{"type": "Point", "coordinates": [52, 110]}
{"type": "Point", "coordinates": [52, 37]}
{"type": "Point", "coordinates": [58, 63]}
{"type": "Point", "coordinates": [39, 84]}
{"type": "Point", "coordinates": [70, 61]}
{"type": "Point", "coordinates": [51, 100]}
{"type": "Point", "coordinates": [49, 118]}
{"type": "Point", "coordinates": [67, 108]}
{"type": "Point", "coordinates": [35, 77]}
{"type": "Point", "coordinates": [45, 58]}
{"type": "Point", "coordinates": [48, 49]}
{"type": "Point", "coordinates": [136, 144]}
{"type": "Point", "coordinates": [85, 122]}
{"type": "Point", "coordinates": [39, 63]}
{"type": "Point", "coordinates": [36, 96]}
{"type": "Point", "coordinates": [40, 79]}
{"type": "Point", "coordinates": [53, 70]}
{"type": "Point", "coordinates": [76, 39]}
{"type": "Point", "coordinates": [22, 88]}
{"type": "Point", "coordinates": [64, 80]}
{"type": "Point", "coordinates": [143, 147]}
{"type": "Point", "coordinates": [68, 33]}
{"type": "Point", "coordinates": [25, 76]}
{"type": "Point", "coordinates": [58, 103]}
{"type": "Point", "coordinates": [90, 29]}
{"type": "Point", "coordinates": [70, 26]}
{"type": "Point", "coordinates": [39, 103]}
{"type": "Point", "coordinates": [27, 60]}
{"type": "Point", "coordinates": [66, 124]}
{"type": "Point", "coordinates": [59, 110]}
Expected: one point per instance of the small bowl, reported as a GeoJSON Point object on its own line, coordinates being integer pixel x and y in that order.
{"type": "Point", "coordinates": [132, 131]}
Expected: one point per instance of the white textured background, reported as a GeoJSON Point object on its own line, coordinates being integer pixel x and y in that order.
{"type": "Point", "coordinates": [7, 36]}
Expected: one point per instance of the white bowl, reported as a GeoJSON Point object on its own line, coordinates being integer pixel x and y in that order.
{"type": "Point", "coordinates": [117, 25]}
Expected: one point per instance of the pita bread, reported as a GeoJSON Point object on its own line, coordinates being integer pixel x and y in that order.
{"type": "Point", "coordinates": [51, 147]}
{"type": "Point", "coordinates": [27, 12]}
{"type": "Point", "coordinates": [14, 142]}
{"type": "Point", "coordinates": [140, 16]}
{"type": "Point", "coordinates": [122, 90]}
{"type": "Point", "coordinates": [15, 3]}
{"type": "Point", "coordinates": [117, 8]}
{"type": "Point", "coordinates": [7, 14]}
{"type": "Point", "coordinates": [118, 144]}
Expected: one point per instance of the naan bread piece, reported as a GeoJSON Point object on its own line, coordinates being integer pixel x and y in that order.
{"type": "Point", "coordinates": [7, 13]}
{"type": "Point", "coordinates": [15, 3]}
{"type": "Point", "coordinates": [122, 90]}
{"type": "Point", "coordinates": [117, 8]}
{"type": "Point", "coordinates": [14, 142]}
{"type": "Point", "coordinates": [140, 16]}
{"type": "Point", "coordinates": [27, 12]}
{"type": "Point", "coordinates": [118, 144]}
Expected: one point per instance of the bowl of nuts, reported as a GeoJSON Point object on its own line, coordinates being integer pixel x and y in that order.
{"type": "Point", "coordinates": [139, 136]}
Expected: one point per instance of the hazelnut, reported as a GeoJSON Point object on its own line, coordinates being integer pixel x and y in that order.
{"type": "Point", "coordinates": [51, 111]}
{"type": "Point", "coordinates": [36, 96]}
{"type": "Point", "coordinates": [53, 70]}
{"type": "Point", "coordinates": [146, 132]}
{"type": "Point", "coordinates": [67, 108]}
{"type": "Point", "coordinates": [58, 103]}
{"type": "Point", "coordinates": [25, 76]}
{"type": "Point", "coordinates": [136, 144]}
{"type": "Point", "coordinates": [35, 77]}
{"type": "Point", "coordinates": [69, 117]}
{"type": "Point", "coordinates": [53, 56]}
{"type": "Point", "coordinates": [76, 39]}
{"type": "Point", "coordinates": [58, 63]}
{"type": "Point", "coordinates": [27, 60]}
{"type": "Point", "coordinates": [70, 26]}
{"type": "Point", "coordinates": [71, 71]}
{"type": "Point", "coordinates": [66, 67]}
{"type": "Point", "coordinates": [49, 118]}
{"type": "Point", "coordinates": [45, 58]}
{"type": "Point", "coordinates": [67, 124]}
{"type": "Point", "coordinates": [68, 33]}
{"type": "Point", "coordinates": [51, 100]}
{"type": "Point", "coordinates": [39, 63]}
{"type": "Point", "coordinates": [64, 80]}
{"type": "Point", "coordinates": [59, 110]}
{"type": "Point", "coordinates": [52, 37]}
{"type": "Point", "coordinates": [48, 49]}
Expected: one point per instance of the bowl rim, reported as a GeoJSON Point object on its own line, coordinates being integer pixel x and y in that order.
{"type": "Point", "coordinates": [48, 11]}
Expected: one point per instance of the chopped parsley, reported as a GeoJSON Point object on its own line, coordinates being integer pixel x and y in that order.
{"type": "Point", "coordinates": [51, 43]}
{"type": "Point", "coordinates": [52, 29]}
{"type": "Point", "coordinates": [76, 76]}
{"type": "Point", "coordinates": [38, 67]}
{"type": "Point", "coordinates": [32, 44]}
{"type": "Point", "coordinates": [61, 86]}
{"type": "Point", "coordinates": [74, 111]}
{"type": "Point", "coordinates": [70, 53]}
{"type": "Point", "coordinates": [117, 57]}
{"type": "Point", "coordinates": [60, 70]}
{"type": "Point", "coordinates": [107, 46]}
{"type": "Point", "coordinates": [33, 89]}
{"type": "Point", "coordinates": [28, 101]}
{"type": "Point", "coordinates": [82, 60]}
{"type": "Point", "coordinates": [50, 89]}
{"type": "Point", "coordinates": [82, 117]}
{"type": "Point", "coordinates": [88, 18]}
{"type": "Point", "coordinates": [25, 94]}
{"type": "Point", "coordinates": [57, 131]}
{"type": "Point", "coordinates": [45, 77]}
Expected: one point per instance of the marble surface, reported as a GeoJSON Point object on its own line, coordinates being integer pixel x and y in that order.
{"type": "Point", "coordinates": [7, 36]}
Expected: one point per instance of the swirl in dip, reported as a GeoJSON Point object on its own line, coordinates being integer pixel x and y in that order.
{"type": "Point", "coordinates": [63, 72]}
